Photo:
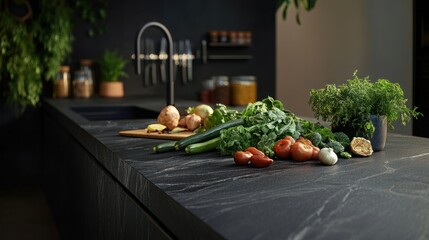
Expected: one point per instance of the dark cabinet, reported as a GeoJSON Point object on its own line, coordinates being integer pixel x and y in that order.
{"type": "Point", "coordinates": [87, 201]}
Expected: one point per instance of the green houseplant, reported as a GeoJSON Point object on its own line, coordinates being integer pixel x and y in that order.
{"type": "Point", "coordinates": [355, 104]}
{"type": "Point", "coordinates": [305, 4]}
{"type": "Point", "coordinates": [35, 39]}
{"type": "Point", "coordinates": [111, 69]}
{"type": "Point", "coordinates": [32, 48]}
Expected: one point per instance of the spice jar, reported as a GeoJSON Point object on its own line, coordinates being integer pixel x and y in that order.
{"type": "Point", "coordinates": [241, 37]}
{"type": "Point", "coordinates": [233, 38]}
{"type": "Point", "coordinates": [221, 91]}
{"type": "Point", "coordinates": [223, 36]}
{"type": "Point", "coordinates": [207, 93]}
{"type": "Point", "coordinates": [86, 68]}
{"type": "Point", "coordinates": [243, 90]}
{"type": "Point", "coordinates": [214, 36]}
{"type": "Point", "coordinates": [81, 85]}
{"type": "Point", "coordinates": [62, 83]}
{"type": "Point", "coordinates": [248, 37]}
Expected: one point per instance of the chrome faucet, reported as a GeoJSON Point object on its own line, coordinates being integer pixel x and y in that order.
{"type": "Point", "coordinates": [170, 82]}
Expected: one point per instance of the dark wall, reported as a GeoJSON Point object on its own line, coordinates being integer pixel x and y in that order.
{"type": "Point", "coordinates": [189, 20]}
{"type": "Point", "coordinates": [421, 67]}
{"type": "Point", "coordinates": [20, 144]}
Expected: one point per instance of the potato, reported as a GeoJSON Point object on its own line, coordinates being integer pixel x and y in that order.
{"type": "Point", "coordinates": [169, 116]}
{"type": "Point", "coordinates": [193, 121]}
{"type": "Point", "coordinates": [182, 122]}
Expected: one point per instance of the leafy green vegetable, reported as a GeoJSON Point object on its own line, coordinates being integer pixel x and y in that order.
{"type": "Point", "coordinates": [308, 127]}
{"type": "Point", "coordinates": [315, 138]}
{"type": "Point", "coordinates": [221, 114]}
{"type": "Point", "coordinates": [338, 148]}
{"type": "Point", "coordinates": [342, 138]}
{"type": "Point", "coordinates": [265, 105]}
{"type": "Point", "coordinates": [265, 122]}
{"type": "Point", "coordinates": [236, 138]}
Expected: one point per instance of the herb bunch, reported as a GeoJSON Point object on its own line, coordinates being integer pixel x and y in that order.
{"type": "Point", "coordinates": [351, 104]}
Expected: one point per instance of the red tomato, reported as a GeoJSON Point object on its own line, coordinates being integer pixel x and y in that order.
{"type": "Point", "coordinates": [315, 154]}
{"type": "Point", "coordinates": [282, 148]}
{"type": "Point", "coordinates": [301, 151]}
{"type": "Point", "coordinates": [242, 158]}
{"type": "Point", "coordinates": [304, 140]}
{"type": "Point", "coordinates": [290, 138]}
{"type": "Point", "coordinates": [260, 161]}
{"type": "Point", "coordinates": [255, 151]}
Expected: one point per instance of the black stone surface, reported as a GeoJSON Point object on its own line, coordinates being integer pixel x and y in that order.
{"type": "Point", "coordinates": [385, 196]}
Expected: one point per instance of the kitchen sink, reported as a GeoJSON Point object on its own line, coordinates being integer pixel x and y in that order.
{"type": "Point", "coordinates": [99, 113]}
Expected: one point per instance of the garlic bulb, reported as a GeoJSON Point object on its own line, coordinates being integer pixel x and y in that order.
{"type": "Point", "coordinates": [327, 156]}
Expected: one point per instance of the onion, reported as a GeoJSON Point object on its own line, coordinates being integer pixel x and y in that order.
{"type": "Point", "coordinates": [327, 156]}
{"type": "Point", "coordinates": [202, 110]}
{"type": "Point", "coordinates": [193, 121]}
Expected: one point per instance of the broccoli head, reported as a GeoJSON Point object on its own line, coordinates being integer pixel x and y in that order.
{"type": "Point", "coordinates": [342, 138]}
{"type": "Point", "coordinates": [336, 146]}
{"type": "Point", "coordinates": [315, 138]}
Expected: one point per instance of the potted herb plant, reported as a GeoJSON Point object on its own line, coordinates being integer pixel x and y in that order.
{"type": "Point", "coordinates": [111, 69]}
{"type": "Point", "coordinates": [362, 108]}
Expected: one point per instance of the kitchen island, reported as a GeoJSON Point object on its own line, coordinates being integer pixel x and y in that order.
{"type": "Point", "coordinates": [105, 186]}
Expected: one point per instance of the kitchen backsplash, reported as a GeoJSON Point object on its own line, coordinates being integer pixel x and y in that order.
{"type": "Point", "coordinates": [190, 24]}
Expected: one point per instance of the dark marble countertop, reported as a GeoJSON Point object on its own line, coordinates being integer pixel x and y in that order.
{"type": "Point", "coordinates": [205, 196]}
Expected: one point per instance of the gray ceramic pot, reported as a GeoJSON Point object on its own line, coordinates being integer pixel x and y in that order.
{"type": "Point", "coordinates": [378, 140]}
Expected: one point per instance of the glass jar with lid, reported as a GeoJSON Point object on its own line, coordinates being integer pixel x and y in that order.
{"type": "Point", "coordinates": [61, 87]}
{"type": "Point", "coordinates": [243, 90]}
{"type": "Point", "coordinates": [207, 92]}
{"type": "Point", "coordinates": [222, 90]}
{"type": "Point", "coordinates": [86, 68]}
{"type": "Point", "coordinates": [214, 36]}
{"type": "Point", "coordinates": [81, 85]}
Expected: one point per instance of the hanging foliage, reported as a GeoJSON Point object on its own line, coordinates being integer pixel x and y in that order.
{"type": "Point", "coordinates": [35, 39]}
{"type": "Point", "coordinates": [305, 4]}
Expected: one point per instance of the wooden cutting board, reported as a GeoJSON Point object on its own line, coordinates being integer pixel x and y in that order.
{"type": "Point", "coordinates": [143, 133]}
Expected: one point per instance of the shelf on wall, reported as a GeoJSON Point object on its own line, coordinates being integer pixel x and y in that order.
{"type": "Point", "coordinates": [221, 44]}
{"type": "Point", "coordinates": [207, 56]}
{"type": "Point", "coordinates": [229, 57]}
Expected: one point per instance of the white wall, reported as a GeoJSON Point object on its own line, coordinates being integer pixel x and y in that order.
{"type": "Point", "coordinates": [338, 37]}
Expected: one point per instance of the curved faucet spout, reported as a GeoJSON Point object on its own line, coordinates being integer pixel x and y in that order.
{"type": "Point", "coordinates": [170, 82]}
